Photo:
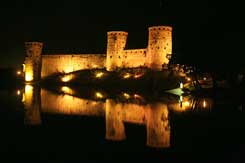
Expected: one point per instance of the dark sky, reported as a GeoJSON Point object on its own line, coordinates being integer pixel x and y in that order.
{"type": "Point", "coordinates": [205, 32]}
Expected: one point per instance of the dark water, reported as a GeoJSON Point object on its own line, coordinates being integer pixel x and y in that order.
{"type": "Point", "coordinates": [47, 126]}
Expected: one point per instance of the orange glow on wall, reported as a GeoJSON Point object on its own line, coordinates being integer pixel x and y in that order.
{"type": "Point", "coordinates": [67, 78]}
{"type": "Point", "coordinates": [67, 90]}
{"type": "Point", "coordinates": [29, 76]}
{"type": "Point", "coordinates": [24, 67]}
{"type": "Point", "coordinates": [66, 63]}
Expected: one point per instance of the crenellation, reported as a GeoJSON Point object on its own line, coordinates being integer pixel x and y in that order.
{"type": "Point", "coordinates": [154, 56]}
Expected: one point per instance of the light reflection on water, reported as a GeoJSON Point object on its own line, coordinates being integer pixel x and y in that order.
{"type": "Point", "coordinates": [153, 115]}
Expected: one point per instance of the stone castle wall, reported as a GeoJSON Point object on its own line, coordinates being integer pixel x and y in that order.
{"type": "Point", "coordinates": [33, 60]}
{"type": "Point", "coordinates": [159, 46]}
{"type": "Point", "coordinates": [62, 63]}
{"type": "Point", "coordinates": [116, 42]}
{"type": "Point", "coordinates": [154, 56]}
{"type": "Point", "coordinates": [134, 58]}
{"type": "Point", "coordinates": [65, 63]}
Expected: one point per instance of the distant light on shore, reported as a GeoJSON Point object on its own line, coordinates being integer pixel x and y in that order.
{"type": "Point", "coordinates": [18, 72]}
{"type": "Point", "coordinates": [99, 74]}
{"type": "Point", "coordinates": [18, 92]}
{"type": "Point", "coordinates": [127, 75]}
{"type": "Point", "coordinates": [99, 95]}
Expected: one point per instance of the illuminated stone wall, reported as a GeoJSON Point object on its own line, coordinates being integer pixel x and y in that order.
{"type": "Point", "coordinates": [154, 56]}
{"type": "Point", "coordinates": [116, 42]}
{"type": "Point", "coordinates": [33, 61]}
{"type": "Point", "coordinates": [134, 58]}
{"type": "Point", "coordinates": [52, 64]}
{"type": "Point", "coordinates": [159, 45]}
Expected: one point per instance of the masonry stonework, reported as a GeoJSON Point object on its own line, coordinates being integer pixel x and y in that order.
{"type": "Point", "coordinates": [159, 45]}
{"type": "Point", "coordinates": [63, 63]}
{"type": "Point", "coordinates": [33, 60]}
{"type": "Point", "coordinates": [116, 42]}
{"type": "Point", "coordinates": [154, 56]}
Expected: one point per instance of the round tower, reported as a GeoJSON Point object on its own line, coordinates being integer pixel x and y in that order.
{"type": "Point", "coordinates": [116, 42]}
{"type": "Point", "coordinates": [159, 48]}
{"type": "Point", "coordinates": [33, 61]}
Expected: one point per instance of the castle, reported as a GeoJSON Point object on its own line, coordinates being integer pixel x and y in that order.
{"type": "Point", "coordinates": [154, 56]}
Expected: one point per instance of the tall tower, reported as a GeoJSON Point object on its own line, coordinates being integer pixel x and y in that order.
{"type": "Point", "coordinates": [33, 61]}
{"type": "Point", "coordinates": [116, 42]}
{"type": "Point", "coordinates": [159, 46]}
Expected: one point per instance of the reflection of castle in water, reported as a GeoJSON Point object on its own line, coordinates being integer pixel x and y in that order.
{"type": "Point", "coordinates": [154, 116]}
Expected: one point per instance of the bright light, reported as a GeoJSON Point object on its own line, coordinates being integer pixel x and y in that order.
{"type": "Point", "coordinates": [18, 92]}
{"type": "Point", "coordinates": [24, 67]}
{"type": "Point", "coordinates": [181, 85]}
{"type": "Point", "coordinates": [188, 79]}
{"type": "Point", "coordinates": [186, 104]}
{"type": "Point", "coordinates": [28, 77]}
{"type": "Point", "coordinates": [18, 72]}
{"type": "Point", "coordinates": [66, 90]}
{"type": "Point", "coordinates": [23, 98]}
{"type": "Point", "coordinates": [204, 104]}
{"type": "Point", "coordinates": [136, 96]}
{"type": "Point", "coordinates": [204, 78]}
{"type": "Point", "coordinates": [68, 69]}
{"type": "Point", "coordinates": [138, 76]}
{"type": "Point", "coordinates": [99, 74]}
{"type": "Point", "coordinates": [126, 76]}
{"type": "Point", "coordinates": [180, 98]}
{"type": "Point", "coordinates": [127, 96]}
{"type": "Point", "coordinates": [28, 88]}
{"type": "Point", "coordinates": [66, 78]}
{"type": "Point", "coordinates": [95, 66]}
{"type": "Point", "coordinates": [98, 95]}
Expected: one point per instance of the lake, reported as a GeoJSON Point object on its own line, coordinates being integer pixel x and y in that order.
{"type": "Point", "coordinates": [66, 124]}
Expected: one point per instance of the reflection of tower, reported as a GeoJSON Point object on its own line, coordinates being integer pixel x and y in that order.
{"type": "Point", "coordinates": [159, 46]}
{"type": "Point", "coordinates": [116, 42]}
{"type": "Point", "coordinates": [33, 61]}
{"type": "Point", "coordinates": [32, 104]}
{"type": "Point", "coordinates": [158, 129]}
{"type": "Point", "coordinates": [114, 121]}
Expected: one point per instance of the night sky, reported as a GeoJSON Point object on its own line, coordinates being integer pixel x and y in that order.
{"type": "Point", "coordinates": [206, 33]}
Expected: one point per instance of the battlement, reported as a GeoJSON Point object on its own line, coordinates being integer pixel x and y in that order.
{"type": "Point", "coordinates": [117, 33]}
{"type": "Point", "coordinates": [155, 56]}
{"type": "Point", "coordinates": [29, 44]}
{"type": "Point", "coordinates": [161, 28]}
{"type": "Point", "coordinates": [134, 51]}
